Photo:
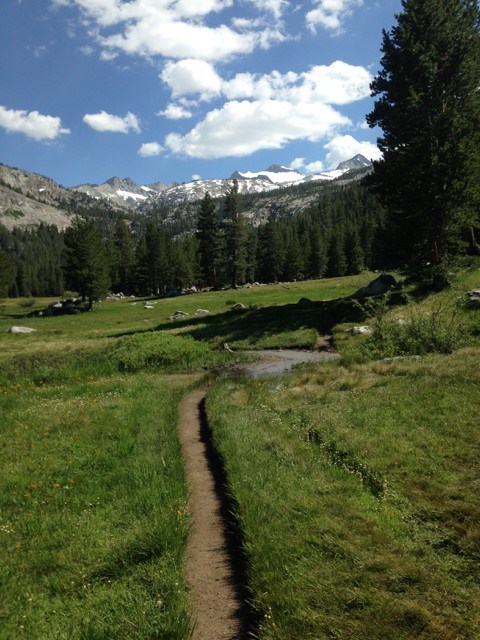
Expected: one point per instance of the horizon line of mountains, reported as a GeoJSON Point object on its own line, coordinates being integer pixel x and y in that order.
{"type": "Point", "coordinates": [125, 192]}
{"type": "Point", "coordinates": [29, 199]}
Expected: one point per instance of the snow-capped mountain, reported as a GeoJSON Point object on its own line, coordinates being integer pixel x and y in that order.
{"type": "Point", "coordinates": [275, 177]}
{"type": "Point", "coordinates": [28, 199]}
{"type": "Point", "coordinates": [121, 192]}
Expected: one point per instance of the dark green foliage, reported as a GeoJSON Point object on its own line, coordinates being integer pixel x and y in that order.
{"type": "Point", "coordinates": [34, 257]}
{"type": "Point", "coordinates": [147, 256]}
{"type": "Point", "coordinates": [209, 242]}
{"type": "Point", "coordinates": [123, 259]}
{"type": "Point", "coordinates": [235, 237]}
{"type": "Point", "coordinates": [86, 267]}
{"type": "Point", "coordinates": [428, 106]}
{"type": "Point", "coordinates": [6, 274]}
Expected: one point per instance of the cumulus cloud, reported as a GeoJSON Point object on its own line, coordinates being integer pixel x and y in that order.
{"type": "Point", "coordinates": [149, 149]}
{"type": "Point", "coordinates": [104, 121]}
{"type": "Point", "coordinates": [338, 83]}
{"type": "Point", "coordinates": [31, 123]}
{"type": "Point", "coordinates": [331, 14]}
{"type": "Point", "coordinates": [174, 28]}
{"type": "Point", "coordinates": [190, 76]}
{"type": "Point", "coordinates": [175, 112]}
{"type": "Point", "coordinates": [345, 147]}
{"type": "Point", "coordinates": [265, 111]}
{"type": "Point", "coordinates": [241, 128]}
{"type": "Point", "coordinates": [298, 164]}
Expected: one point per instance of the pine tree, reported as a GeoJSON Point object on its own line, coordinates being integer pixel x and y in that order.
{"type": "Point", "coordinates": [6, 274]}
{"type": "Point", "coordinates": [428, 106]}
{"type": "Point", "coordinates": [209, 247]}
{"type": "Point", "coordinates": [235, 236]}
{"type": "Point", "coordinates": [123, 257]}
{"type": "Point", "coordinates": [85, 266]}
{"type": "Point", "coordinates": [270, 252]}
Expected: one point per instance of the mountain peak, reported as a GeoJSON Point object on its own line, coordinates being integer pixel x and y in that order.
{"type": "Point", "coordinates": [357, 162]}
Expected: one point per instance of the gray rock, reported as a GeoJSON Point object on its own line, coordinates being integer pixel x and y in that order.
{"type": "Point", "coordinates": [364, 330]}
{"type": "Point", "coordinates": [376, 287]}
{"type": "Point", "coordinates": [473, 298]}
{"type": "Point", "coordinates": [304, 302]}
{"type": "Point", "coordinates": [21, 330]}
{"type": "Point", "coordinates": [239, 306]}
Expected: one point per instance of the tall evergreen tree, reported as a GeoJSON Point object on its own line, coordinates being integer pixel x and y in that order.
{"type": "Point", "coordinates": [123, 257]}
{"type": "Point", "coordinates": [209, 247]}
{"type": "Point", "coordinates": [7, 274]}
{"type": "Point", "coordinates": [428, 106]}
{"type": "Point", "coordinates": [85, 266]}
{"type": "Point", "coordinates": [235, 236]}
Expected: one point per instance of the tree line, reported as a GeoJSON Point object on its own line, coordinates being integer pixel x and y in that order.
{"type": "Point", "coordinates": [333, 238]}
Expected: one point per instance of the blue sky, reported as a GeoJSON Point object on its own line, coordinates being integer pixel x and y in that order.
{"type": "Point", "coordinates": [167, 90]}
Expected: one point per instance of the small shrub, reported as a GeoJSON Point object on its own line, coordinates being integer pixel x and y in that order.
{"type": "Point", "coordinates": [436, 332]}
{"type": "Point", "coordinates": [151, 351]}
{"type": "Point", "coordinates": [27, 303]}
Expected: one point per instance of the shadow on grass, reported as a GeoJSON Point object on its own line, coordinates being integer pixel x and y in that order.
{"type": "Point", "coordinates": [256, 325]}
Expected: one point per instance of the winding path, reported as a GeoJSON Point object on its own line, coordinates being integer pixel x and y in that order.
{"type": "Point", "coordinates": [212, 568]}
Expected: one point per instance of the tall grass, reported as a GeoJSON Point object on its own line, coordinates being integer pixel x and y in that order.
{"type": "Point", "coordinates": [92, 500]}
{"type": "Point", "coordinates": [357, 497]}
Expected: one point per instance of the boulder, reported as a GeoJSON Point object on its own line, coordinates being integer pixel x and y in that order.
{"type": "Point", "coordinates": [21, 330]}
{"type": "Point", "coordinates": [201, 312]}
{"type": "Point", "coordinates": [364, 330]}
{"type": "Point", "coordinates": [239, 306]}
{"type": "Point", "coordinates": [473, 298]}
{"type": "Point", "coordinates": [304, 302]}
{"type": "Point", "coordinates": [376, 287]}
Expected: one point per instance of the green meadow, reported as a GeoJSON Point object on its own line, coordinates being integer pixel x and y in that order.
{"type": "Point", "coordinates": [354, 483]}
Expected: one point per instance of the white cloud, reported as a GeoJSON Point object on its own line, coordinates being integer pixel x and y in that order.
{"type": "Point", "coordinates": [342, 148]}
{"type": "Point", "coordinates": [196, 177]}
{"type": "Point", "coordinates": [190, 76]}
{"type": "Point", "coordinates": [33, 124]}
{"type": "Point", "coordinates": [312, 167]}
{"type": "Point", "coordinates": [241, 128]}
{"type": "Point", "coordinates": [274, 6]}
{"type": "Point", "coordinates": [337, 83]}
{"type": "Point", "coordinates": [331, 14]}
{"type": "Point", "coordinates": [149, 149]}
{"type": "Point", "coordinates": [297, 164]}
{"type": "Point", "coordinates": [264, 111]}
{"type": "Point", "coordinates": [175, 112]}
{"type": "Point", "coordinates": [104, 121]}
{"type": "Point", "coordinates": [174, 28]}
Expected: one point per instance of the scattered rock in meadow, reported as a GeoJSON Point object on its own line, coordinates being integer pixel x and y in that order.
{"type": "Point", "coordinates": [376, 287]}
{"type": "Point", "coordinates": [21, 330]}
{"type": "Point", "coordinates": [304, 302]}
{"type": "Point", "coordinates": [201, 312]}
{"type": "Point", "coordinates": [364, 330]}
{"type": "Point", "coordinates": [473, 298]}
{"type": "Point", "coordinates": [239, 306]}
{"type": "Point", "coordinates": [178, 315]}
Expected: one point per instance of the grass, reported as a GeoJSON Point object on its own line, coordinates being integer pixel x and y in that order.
{"type": "Point", "coordinates": [354, 482]}
{"type": "Point", "coordinates": [356, 492]}
{"type": "Point", "coordinates": [93, 524]}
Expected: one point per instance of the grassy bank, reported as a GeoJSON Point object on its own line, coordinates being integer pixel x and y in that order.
{"type": "Point", "coordinates": [357, 493]}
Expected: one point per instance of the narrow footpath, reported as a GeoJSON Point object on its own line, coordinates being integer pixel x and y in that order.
{"type": "Point", "coordinates": [212, 567]}
{"type": "Point", "coordinates": [209, 566]}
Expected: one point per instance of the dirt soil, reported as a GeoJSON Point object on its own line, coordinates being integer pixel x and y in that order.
{"type": "Point", "coordinates": [209, 566]}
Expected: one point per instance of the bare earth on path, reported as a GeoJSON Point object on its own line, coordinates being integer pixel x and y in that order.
{"type": "Point", "coordinates": [213, 568]}
{"type": "Point", "coordinates": [216, 602]}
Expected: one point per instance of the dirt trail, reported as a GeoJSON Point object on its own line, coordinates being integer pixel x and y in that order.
{"type": "Point", "coordinates": [209, 565]}
{"type": "Point", "coordinates": [212, 567]}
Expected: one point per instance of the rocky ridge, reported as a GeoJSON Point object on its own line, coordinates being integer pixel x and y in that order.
{"type": "Point", "coordinates": [29, 199]}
